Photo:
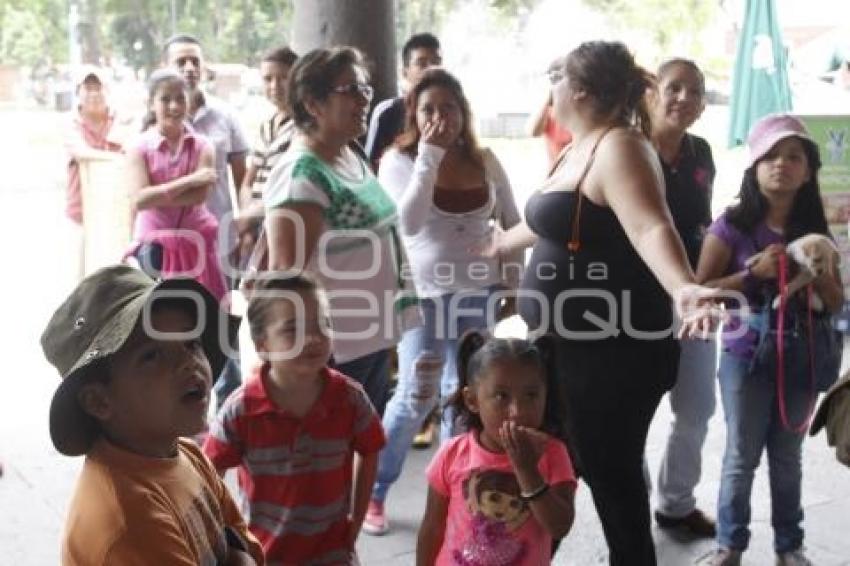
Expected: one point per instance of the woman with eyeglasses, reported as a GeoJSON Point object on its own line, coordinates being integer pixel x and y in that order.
{"type": "Point", "coordinates": [327, 214]}
{"type": "Point", "coordinates": [606, 261]}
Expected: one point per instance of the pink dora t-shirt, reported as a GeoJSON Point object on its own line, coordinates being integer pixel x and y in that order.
{"type": "Point", "coordinates": [487, 523]}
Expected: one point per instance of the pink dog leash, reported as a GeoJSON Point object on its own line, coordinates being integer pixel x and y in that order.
{"type": "Point", "coordinates": [780, 351]}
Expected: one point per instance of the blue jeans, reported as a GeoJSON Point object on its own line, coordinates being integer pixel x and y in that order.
{"type": "Point", "coordinates": [427, 371]}
{"type": "Point", "coordinates": [753, 425]}
{"type": "Point", "coordinates": [692, 402]}
{"type": "Point", "coordinates": [372, 371]}
{"type": "Point", "coordinates": [228, 380]}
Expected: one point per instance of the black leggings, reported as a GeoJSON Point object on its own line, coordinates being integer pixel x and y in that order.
{"type": "Point", "coordinates": [610, 393]}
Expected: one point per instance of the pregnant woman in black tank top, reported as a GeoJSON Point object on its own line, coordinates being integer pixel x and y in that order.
{"type": "Point", "coordinates": [606, 260]}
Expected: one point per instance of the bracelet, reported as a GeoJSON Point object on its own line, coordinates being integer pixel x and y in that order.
{"type": "Point", "coordinates": [537, 493]}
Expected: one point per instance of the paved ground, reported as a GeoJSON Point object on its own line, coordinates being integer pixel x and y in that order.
{"type": "Point", "coordinates": [36, 488]}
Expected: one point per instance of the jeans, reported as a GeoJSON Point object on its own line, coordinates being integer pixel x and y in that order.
{"type": "Point", "coordinates": [692, 401]}
{"type": "Point", "coordinates": [752, 425]}
{"type": "Point", "coordinates": [610, 394]}
{"type": "Point", "coordinates": [372, 371]}
{"type": "Point", "coordinates": [427, 372]}
{"type": "Point", "coordinates": [228, 380]}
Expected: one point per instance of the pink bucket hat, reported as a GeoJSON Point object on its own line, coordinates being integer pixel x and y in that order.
{"type": "Point", "coordinates": [772, 129]}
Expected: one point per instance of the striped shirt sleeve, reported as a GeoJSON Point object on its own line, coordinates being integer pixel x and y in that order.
{"type": "Point", "coordinates": [368, 431]}
{"type": "Point", "coordinates": [223, 445]}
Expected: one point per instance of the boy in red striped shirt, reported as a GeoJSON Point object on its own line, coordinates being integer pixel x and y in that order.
{"type": "Point", "coordinates": [305, 437]}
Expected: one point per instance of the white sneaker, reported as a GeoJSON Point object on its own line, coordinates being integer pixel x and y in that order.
{"type": "Point", "coordinates": [721, 556]}
{"type": "Point", "coordinates": [793, 558]}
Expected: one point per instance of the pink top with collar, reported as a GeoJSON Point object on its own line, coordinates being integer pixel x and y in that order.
{"type": "Point", "coordinates": [187, 233]}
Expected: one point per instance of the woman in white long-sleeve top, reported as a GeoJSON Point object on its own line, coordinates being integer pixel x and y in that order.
{"type": "Point", "coordinates": [449, 194]}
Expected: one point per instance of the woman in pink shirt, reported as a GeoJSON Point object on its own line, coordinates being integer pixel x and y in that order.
{"type": "Point", "coordinates": [91, 135]}
{"type": "Point", "coordinates": [171, 173]}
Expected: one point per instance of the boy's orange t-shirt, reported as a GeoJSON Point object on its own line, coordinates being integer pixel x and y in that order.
{"type": "Point", "coordinates": [133, 510]}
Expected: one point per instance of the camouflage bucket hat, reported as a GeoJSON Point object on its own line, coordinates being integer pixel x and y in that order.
{"type": "Point", "coordinates": [95, 321]}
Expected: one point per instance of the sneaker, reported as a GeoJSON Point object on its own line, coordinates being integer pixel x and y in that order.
{"type": "Point", "coordinates": [375, 523]}
{"type": "Point", "coordinates": [696, 523]}
{"type": "Point", "coordinates": [721, 556]}
{"type": "Point", "coordinates": [793, 558]}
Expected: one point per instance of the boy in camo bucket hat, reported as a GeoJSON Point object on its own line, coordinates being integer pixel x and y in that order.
{"type": "Point", "coordinates": [136, 357]}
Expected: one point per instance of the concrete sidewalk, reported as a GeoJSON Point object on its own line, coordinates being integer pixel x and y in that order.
{"type": "Point", "coordinates": [826, 500]}
{"type": "Point", "coordinates": [36, 488]}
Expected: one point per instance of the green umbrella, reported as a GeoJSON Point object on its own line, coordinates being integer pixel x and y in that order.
{"type": "Point", "coordinates": [760, 84]}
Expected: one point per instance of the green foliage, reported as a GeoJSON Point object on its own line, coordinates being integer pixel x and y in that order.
{"type": "Point", "coordinates": [132, 31]}
{"type": "Point", "coordinates": [229, 30]}
{"type": "Point", "coordinates": [240, 30]}
{"type": "Point", "coordinates": [670, 24]}
{"type": "Point", "coordinates": [413, 16]}
{"type": "Point", "coordinates": [33, 31]}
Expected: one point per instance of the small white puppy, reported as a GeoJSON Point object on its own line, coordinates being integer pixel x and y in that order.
{"type": "Point", "coordinates": [814, 255]}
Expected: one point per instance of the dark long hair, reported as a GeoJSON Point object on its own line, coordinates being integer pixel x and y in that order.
{"type": "Point", "coordinates": [157, 78]}
{"type": "Point", "coordinates": [607, 72]}
{"type": "Point", "coordinates": [807, 214]}
{"type": "Point", "coordinates": [408, 141]}
{"type": "Point", "coordinates": [476, 353]}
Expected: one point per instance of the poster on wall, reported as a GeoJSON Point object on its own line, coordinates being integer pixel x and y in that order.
{"type": "Point", "coordinates": [832, 134]}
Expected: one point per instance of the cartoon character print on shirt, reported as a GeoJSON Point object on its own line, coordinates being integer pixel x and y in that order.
{"type": "Point", "coordinates": [492, 497]}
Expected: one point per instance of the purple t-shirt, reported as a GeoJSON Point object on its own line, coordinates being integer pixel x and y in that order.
{"type": "Point", "coordinates": [743, 247]}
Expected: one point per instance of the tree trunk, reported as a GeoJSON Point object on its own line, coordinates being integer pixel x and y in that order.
{"type": "Point", "coordinates": [88, 32]}
{"type": "Point", "coordinates": [366, 25]}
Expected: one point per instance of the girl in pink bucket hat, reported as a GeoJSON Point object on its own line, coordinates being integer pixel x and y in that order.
{"type": "Point", "coordinates": [779, 201]}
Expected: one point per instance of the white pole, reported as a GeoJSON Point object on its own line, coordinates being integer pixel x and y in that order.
{"type": "Point", "coordinates": [74, 53]}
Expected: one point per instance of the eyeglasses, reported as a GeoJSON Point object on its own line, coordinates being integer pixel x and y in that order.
{"type": "Point", "coordinates": [555, 76]}
{"type": "Point", "coordinates": [353, 89]}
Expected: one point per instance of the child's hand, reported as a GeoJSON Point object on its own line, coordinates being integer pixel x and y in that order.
{"type": "Point", "coordinates": [523, 445]}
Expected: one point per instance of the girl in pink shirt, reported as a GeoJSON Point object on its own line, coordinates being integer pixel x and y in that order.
{"type": "Point", "coordinates": [499, 494]}
{"type": "Point", "coordinates": [171, 173]}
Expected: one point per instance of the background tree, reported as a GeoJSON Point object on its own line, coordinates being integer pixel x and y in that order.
{"type": "Point", "coordinates": [33, 32]}
{"type": "Point", "coordinates": [672, 26]}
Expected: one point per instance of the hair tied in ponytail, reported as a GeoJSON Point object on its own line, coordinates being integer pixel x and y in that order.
{"type": "Point", "coordinates": [545, 346]}
{"type": "Point", "coordinates": [474, 339]}
{"type": "Point", "coordinates": [470, 343]}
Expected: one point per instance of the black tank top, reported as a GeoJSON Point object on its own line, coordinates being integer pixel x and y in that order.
{"type": "Point", "coordinates": [604, 280]}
